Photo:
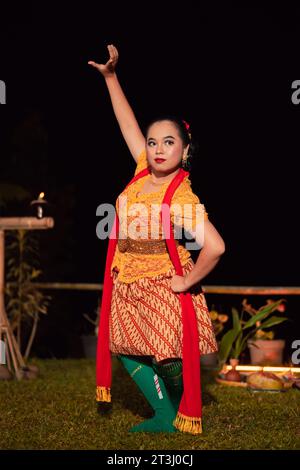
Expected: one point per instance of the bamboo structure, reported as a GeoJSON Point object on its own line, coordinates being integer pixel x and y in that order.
{"type": "Point", "coordinates": [207, 289]}
{"type": "Point", "coordinates": [13, 357]}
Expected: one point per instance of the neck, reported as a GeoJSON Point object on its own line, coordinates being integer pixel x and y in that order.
{"type": "Point", "coordinates": [159, 177]}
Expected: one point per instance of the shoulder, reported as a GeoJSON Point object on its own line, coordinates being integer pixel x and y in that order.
{"type": "Point", "coordinates": [184, 199]}
{"type": "Point", "coordinates": [142, 162]}
{"type": "Point", "coordinates": [184, 193]}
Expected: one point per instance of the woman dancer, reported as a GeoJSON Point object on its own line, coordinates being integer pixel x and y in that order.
{"type": "Point", "coordinates": [154, 315]}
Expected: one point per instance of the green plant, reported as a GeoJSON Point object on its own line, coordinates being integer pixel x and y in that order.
{"type": "Point", "coordinates": [24, 300]}
{"type": "Point", "coordinates": [261, 333]}
{"type": "Point", "coordinates": [235, 340]}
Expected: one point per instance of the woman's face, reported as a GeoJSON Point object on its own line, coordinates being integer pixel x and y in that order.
{"type": "Point", "coordinates": [163, 141]}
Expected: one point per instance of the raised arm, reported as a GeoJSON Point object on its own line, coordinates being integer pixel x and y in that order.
{"type": "Point", "coordinates": [125, 116]}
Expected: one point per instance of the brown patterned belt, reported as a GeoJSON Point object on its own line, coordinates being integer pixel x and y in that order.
{"type": "Point", "coordinates": [143, 246]}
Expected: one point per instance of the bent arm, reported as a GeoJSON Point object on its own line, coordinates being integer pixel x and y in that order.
{"type": "Point", "coordinates": [130, 129]}
{"type": "Point", "coordinates": [210, 254]}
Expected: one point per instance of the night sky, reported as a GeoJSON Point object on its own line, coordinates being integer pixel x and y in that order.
{"type": "Point", "coordinates": [227, 71]}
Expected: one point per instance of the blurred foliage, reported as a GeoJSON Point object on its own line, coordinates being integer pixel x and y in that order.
{"type": "Point", "coordinates": [218, 319]}
{"type": "Point", "coordinates": [24, 301]}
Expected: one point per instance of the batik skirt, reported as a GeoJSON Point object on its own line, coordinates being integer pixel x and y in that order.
{"type": "Point", "coordinates": [146, 317]}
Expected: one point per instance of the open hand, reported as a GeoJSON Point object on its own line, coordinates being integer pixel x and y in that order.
{"type": "Point", "coordinates": [178, 283]}
{"type": "Point", "coordinates": [108, 68]}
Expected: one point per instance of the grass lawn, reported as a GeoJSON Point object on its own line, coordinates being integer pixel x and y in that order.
{"type": "Point", "coordinates": [58, 411]}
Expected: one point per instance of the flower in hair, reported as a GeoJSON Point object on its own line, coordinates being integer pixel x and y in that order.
{"type": "Point", "coordinates": [187, 126]}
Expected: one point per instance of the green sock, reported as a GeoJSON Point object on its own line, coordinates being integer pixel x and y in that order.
{"type": "Point", "coordinates": [171, 373]}
{"type": "Point", "coordinates": [154, 390]}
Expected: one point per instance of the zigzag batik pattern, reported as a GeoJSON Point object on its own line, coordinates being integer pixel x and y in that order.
{"type": "Point", "coordinates": [146, 318]}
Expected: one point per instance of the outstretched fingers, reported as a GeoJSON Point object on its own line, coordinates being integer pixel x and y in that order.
{"type": "Point", "coordinates": [116, 54]}
{"type": "Point", "coordinates": [109, 67]}
{"type": "Point", "coordinates": [113, 54]}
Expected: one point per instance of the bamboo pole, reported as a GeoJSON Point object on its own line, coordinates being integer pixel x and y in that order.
{"type": "Point", "coordinates": [25, 223]}
{"type": "Point", "coordinates": [209, 289]}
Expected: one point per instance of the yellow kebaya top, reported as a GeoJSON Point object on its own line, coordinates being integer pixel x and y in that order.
{"type": "Point", "coordinates": [185, 209]}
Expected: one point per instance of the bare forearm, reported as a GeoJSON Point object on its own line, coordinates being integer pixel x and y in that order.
{"type": "Point", "coordinates": [205, 263]}
{"type": "Point", "coordinates": [122, 109]}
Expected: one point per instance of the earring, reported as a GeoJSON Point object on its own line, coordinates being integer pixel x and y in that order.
{"type": "Point", "coordinates": [185, 162]}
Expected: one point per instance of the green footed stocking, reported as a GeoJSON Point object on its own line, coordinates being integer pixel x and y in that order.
{"type": "Point", "coordinates": [171, 373]}
{"type": "Point", "coordinates": [154, 391]}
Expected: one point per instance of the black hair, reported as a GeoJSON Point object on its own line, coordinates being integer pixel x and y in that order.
{"type": "Point", "coordinates": [183, 133]}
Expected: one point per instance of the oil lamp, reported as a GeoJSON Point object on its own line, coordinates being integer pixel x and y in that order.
{"type": "Point", "coordinates": [39, 205]}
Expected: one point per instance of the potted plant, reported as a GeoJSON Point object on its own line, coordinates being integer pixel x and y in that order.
{"type": "Point", "coordinates": [264, 349]}
{"type": "Point", "coordinates": [235, 341]}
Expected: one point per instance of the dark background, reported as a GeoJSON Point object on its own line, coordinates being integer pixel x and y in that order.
{"type": "Point", "coordinates": [226, 70]}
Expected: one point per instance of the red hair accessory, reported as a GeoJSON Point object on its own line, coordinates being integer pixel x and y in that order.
{"type": "Point", "coordinates": [187, 126]}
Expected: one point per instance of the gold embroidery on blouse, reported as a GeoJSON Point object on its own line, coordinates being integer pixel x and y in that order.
{"type": "Point", "coordinates": [134, 263]}
{"type": "Point", "coordinates": [145, 247]}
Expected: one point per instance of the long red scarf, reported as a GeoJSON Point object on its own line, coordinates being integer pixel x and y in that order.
{"type": "Point", "coordinates": [189, 415]}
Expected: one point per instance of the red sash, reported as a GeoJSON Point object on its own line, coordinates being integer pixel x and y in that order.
{"type": "Point", "coordinates": [189, 415]}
